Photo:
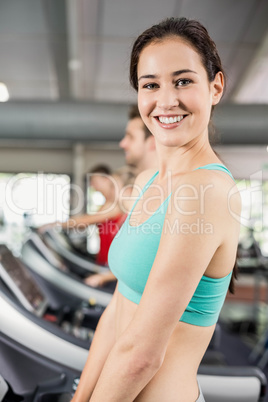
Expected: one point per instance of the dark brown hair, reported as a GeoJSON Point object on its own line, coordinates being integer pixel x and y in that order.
{"type": "Point", "coordinates": [192, 31]}
{"type": "Point", "coordinates": [196, 35]}
{"type": "Point", "coordinates": [102, 169]}
{"type": "Point", "coordinates": [133, 114]}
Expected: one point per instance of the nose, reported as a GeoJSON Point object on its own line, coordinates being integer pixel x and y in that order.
{"type": "Point", "coordinates": [168, 98]}
{"type": "Point", "coordinates": [122, 143]}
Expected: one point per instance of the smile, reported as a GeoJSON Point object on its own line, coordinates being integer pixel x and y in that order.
{"type": "Point", "coordinates": [170, 120]}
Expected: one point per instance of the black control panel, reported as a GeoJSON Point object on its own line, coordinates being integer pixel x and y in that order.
{"type": "Point", "coordinates": [20, 281]}
{"type": "Point", "coordinates": [79, 322]}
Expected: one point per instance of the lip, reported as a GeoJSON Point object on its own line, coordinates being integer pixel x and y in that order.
{"type": "Point", "coordinates": [169, 126]}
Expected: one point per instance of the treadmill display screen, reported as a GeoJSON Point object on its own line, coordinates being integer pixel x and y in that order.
{"type": "Point", "coordinates": [19, 280]}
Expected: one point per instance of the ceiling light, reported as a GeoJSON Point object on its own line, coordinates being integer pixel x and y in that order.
{"type": "Point", "coordinates": [253, 87]}
{"type": "Point", "coordinates": [4, 95]}
{"type": "Point", "coordinates": [74, 64]}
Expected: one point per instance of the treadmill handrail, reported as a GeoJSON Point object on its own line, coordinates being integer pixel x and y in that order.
{"type": "Point", "coordinates": [28, 333]}
{"type": "Point", "coordinates": [73, 258]}
{"type": "Point", "coordinates": [229, 383]}
{"type": "Point", "coordinates": [41, 322]}
{"type": "Point", "coordinates": [48, 254]}
{"type": "Point", "coordinates": [61, 279]}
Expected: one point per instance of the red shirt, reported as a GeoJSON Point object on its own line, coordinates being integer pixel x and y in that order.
{"type": "Point", "coordinates": [107, 231]}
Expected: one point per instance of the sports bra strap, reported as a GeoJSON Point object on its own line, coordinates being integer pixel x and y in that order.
{"type": "Point", "coordinates": [216, 166]}
{"type": "Point", "coordinates": [143, 191]}
{"type": "Point", "coordinates": [210, 166]}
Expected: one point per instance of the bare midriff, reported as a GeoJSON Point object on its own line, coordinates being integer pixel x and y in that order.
{"type": "Point", "coordinates": [176, 380]}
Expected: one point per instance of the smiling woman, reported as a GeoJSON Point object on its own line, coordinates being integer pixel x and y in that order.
{"type": "Point", "coordinates": [183, 93]}
{"type": "Point", "coordinates": [173, 273]}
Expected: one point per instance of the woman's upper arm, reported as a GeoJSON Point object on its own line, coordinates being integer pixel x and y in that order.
{"type": "Point", "coordinates": [113, 301]}
{"type": "Point", "coordinates": [184, 252]}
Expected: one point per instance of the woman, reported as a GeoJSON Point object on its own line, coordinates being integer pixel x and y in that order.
{"type": "Point", "coordinates": [117, 191]}
{"type": "Point", "coordinates": [108, 218]}
{"type": "Point", "coordinates": [174, 255]}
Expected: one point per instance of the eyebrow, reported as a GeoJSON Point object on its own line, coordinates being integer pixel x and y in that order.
{"type": "Point", "coordinates": [174, 74]}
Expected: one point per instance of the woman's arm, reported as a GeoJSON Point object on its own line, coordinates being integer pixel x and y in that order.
{"type": "Point", "coordinates": [108, 211]}
{"type": "Point", "coordinates": [182, 258]}
{"type": "Point", "coordinates": [103, 341]}
{"type": "Point", "coordinates": [100, 279]}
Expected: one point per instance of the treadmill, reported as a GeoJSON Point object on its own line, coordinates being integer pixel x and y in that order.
{"type": "Point", "coordinates": [61, 285]}
{"type": "Point", "coordinates": [40, 360]}
{"type": "Point", "coordinates": [79, 264]}
{"type": "Point", "coordinates": [42, 350]}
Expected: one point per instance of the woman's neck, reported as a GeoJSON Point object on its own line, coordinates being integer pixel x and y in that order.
{"type": "Point", "coordinates": [185, 159]}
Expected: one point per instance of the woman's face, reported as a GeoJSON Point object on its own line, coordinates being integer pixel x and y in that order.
{"type": "Point", "coordinates": [174, 94]}
{"type": "Point", "coordinates": [100, 182]}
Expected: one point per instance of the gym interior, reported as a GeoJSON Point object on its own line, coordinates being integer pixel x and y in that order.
{"type": "Point", "coordinates": [64, 101]}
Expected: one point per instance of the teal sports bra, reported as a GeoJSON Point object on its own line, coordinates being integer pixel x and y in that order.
{"type": "Point", "coordinates": [131, 258]}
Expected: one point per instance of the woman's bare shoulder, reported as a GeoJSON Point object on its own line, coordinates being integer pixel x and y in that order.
{"type": "Point", "coordinates": [207, 190]}
{"type": "Point", "coordinates": [143, 178]}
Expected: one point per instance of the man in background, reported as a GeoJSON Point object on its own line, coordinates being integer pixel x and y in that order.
{"type": "Point", "coordinates": [140, 154]}
{"type": "Point", "coordinates": [138, 143]}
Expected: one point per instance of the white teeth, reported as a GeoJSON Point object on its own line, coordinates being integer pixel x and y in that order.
{"type": "Point", "coordinates": [170, 120]}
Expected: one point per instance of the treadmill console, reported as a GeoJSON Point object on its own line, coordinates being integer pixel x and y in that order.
{"type": "Point", "coordinates": [79, 322]}
{"type": "Point", "coordinates": [20, 282]}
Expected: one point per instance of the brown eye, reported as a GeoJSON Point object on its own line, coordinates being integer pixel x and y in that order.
{"type": "Point", "coordinates": [183, 82]}
{"type": "Point", "coordinates": [150, 86]}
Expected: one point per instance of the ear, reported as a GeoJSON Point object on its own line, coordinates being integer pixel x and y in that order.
{"type": "Point", "coordinates": [217, 87]}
